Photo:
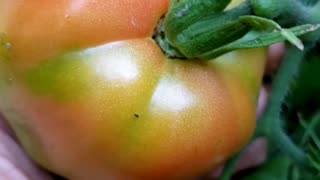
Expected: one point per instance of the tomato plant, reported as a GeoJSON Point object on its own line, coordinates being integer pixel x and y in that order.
{"type": "Point", "coordinates": [91, 95]}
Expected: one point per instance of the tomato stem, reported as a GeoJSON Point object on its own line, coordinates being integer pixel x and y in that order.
{"type": "Point", "coordinates": [195, 29]}
{"type": "Point", "coordinates": [287, 12]}
{"type": "Point", "coordinates": [271, 123]}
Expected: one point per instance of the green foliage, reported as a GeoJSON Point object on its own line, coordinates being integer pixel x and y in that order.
{"type": "Point", "coordinates": [305, 91]}
{"type": "Point", "coordinates": [309, 2]}
{"type": "Point", "coordinates": [295, 104]}
{"type": "Point", "coordinates": [291, 122]}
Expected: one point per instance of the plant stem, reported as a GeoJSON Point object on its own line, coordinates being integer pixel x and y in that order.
{"type": "Point", "coordinates": [271, 123]}
{"type": "Point", "coordinates": [288, 12]}
{"type": "Point", "coordinates": [193, 28]}
{"type": "Point", "coordinates": [281, 139]}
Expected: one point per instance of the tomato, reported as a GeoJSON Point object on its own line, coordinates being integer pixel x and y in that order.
{"type": "Point", "coordinates": [90, 95]}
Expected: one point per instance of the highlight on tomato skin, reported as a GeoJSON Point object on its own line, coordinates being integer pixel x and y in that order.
{"type": "Point", "coordinates": [91, 95]}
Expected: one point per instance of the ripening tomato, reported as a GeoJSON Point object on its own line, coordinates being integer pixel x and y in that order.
{"type": "Point", "coordinates": [90, 95]}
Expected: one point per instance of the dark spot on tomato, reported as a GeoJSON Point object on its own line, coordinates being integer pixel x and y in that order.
{"type": "Point", "coordinates": [136, 115]}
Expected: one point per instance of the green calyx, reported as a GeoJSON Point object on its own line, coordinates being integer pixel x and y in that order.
{"type": "Point", "coordinates": [203, 29]}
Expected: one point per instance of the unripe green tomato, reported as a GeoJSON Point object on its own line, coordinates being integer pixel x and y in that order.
{"type": "Point", "coordinates": [90, 95]}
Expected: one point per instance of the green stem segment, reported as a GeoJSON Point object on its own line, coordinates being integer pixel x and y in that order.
{"type": "Point", "coordinates": [290, 12]}
{"type": "Point", "coordinates": [196, 28]}
{"type": "Point", "coordinates": [270, 125]}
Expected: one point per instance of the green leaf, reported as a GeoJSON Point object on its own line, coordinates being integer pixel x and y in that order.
{"type": "Point", "coordinates": [256, 39]}
{"type": "Point", "coordinates": [315, 158]}
{"type": "Point", "coordinates": [264, 24]}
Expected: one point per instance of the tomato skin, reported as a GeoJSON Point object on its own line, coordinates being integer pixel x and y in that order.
{"type": "Point", "coordinates": [91, 98]}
